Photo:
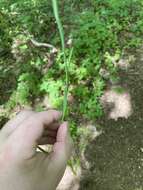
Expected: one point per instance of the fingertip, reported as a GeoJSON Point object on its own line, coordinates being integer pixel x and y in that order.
{"type": "Point", "coordinates": [62, 132]}
{"type": "Point", "coordinates": [58, 114]}
{"type": "Point", "coordinates": [55, 113]}
{"type": "Point", "coordinates": [63, 147]}
{"type": "Point", "coordinates": [65, 124]}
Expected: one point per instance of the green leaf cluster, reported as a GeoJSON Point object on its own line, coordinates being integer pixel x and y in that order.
{"type": "Point", "coordinates": [101, 33]}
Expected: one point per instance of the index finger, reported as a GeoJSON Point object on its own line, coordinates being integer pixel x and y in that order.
{"type": "Point", "coordinates": [48, 117]}
{"type": "Point", "coordinates": [30, 131]}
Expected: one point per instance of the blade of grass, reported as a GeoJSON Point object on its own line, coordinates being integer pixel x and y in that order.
{"type": "Point", "coordinates": [66, 62]}
{"type": "Point", "coordinates": [61, 32]}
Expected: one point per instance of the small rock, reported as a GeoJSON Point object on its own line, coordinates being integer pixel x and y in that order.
{"type": "Point", "coordinates": [121, 104]}
{"type": "Point", "coordinates": [104, 73]}
{"type": "Point", "coordinates": [123, 64]}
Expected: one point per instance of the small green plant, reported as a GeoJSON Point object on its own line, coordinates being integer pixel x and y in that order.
{"type": "Point", "coordinates": [101, 33]}
{"type": "Point", "coordinates": [61, 32]}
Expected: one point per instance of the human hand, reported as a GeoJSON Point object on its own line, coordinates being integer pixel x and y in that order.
{"type": "Point", "coordinates": [21, 166]}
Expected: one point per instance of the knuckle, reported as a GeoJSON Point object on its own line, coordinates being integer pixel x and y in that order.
{"type": "Point", "coordinates": [34, 121]}
{"type": "Point", "coordinates": [54, 113]}
{"type": "Point", "coordinates": [25, 112]}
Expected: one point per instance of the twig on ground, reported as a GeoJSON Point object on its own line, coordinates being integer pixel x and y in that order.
{"type": "Point", "coordinates": [46, 45]}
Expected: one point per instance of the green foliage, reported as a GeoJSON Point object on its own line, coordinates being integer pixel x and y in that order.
{"type": "Point", "coordinates": [27, 88]}
{"type": "Point", "coordinates": [5, 34]}
{"type": "Point", "coordinates": [101, 31]}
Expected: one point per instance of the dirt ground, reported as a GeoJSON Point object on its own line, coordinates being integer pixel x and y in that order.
{"type": "Point", "coordinates": [114, 159]}
{"type": "Point", "coordinates": [116, 156]}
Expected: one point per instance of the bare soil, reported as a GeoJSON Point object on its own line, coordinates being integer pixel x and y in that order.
{"type": "Point", "coordinates": [116, 156]}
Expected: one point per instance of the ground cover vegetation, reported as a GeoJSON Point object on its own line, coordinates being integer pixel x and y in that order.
{"type": "Point", "coordinates": [97, 35]}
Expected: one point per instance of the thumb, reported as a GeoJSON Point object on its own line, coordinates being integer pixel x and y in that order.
{"type": "Point", "coordinates": [57, 160]}
{"type": "Point", "coordinates": [62, 149]}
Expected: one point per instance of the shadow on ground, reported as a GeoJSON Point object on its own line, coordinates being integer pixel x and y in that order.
{"type": "Point", "coordinates": [116, 156]}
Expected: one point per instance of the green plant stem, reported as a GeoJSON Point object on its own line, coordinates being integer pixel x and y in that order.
{"type": "Point", "coordinates": [61, 32]}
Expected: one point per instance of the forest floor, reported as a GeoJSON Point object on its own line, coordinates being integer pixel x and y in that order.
{"type": "Point", "coordinates": [115, 157]}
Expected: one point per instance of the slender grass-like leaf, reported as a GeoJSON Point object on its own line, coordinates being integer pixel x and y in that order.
{"type": "Point", "coordinates": [61, 32]}
{"type": "Point", "coordinates": [66, 61]}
